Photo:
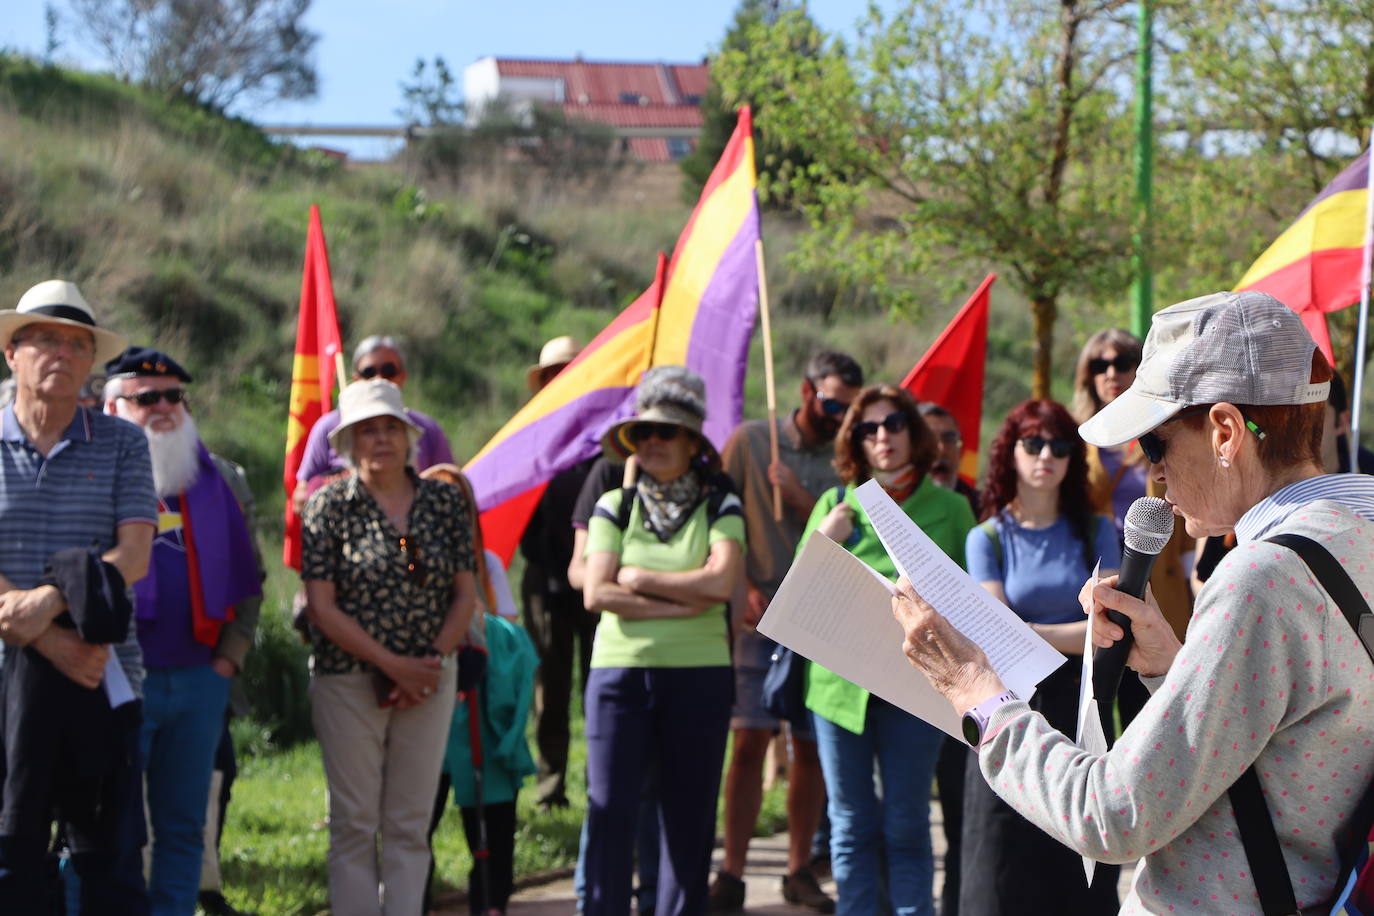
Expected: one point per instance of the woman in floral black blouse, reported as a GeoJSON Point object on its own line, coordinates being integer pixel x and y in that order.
{"type": "Point", "coordinates": [388, 566]}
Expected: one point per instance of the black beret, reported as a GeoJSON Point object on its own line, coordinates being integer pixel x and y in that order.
{"type": "Point", "coordinates": [145, 361]}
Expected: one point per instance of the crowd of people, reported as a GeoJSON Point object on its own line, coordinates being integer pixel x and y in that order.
{"type": "Point", "coordinates": [130, 587]}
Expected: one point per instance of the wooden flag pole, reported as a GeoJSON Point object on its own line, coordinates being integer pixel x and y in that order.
{"type": "Point", "coordinates": [768, 373]}
{"type": "Point", "coordinates": [340, 376]}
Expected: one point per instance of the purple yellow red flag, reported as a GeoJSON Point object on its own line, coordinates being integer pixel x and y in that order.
{"type": "Point", "coordinates": [951, 373]}
{"type": "Point", "coordinates": [699, 312]}
{"type": "Point", "coordinates": [318, 344]}
{"type": "Point", "coordinates": [1315, 266]}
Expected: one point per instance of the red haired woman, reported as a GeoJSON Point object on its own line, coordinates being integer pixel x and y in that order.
{"type": "Point", "coordinates": [1037, 544]}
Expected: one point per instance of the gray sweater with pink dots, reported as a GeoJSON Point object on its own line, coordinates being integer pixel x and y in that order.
{"type": "Point", "coordinates": [1270, 674]}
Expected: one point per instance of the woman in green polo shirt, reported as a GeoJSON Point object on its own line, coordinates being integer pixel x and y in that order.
{"type": "Point", "coordinates": [663, 557]}
{"type": "Point", "coordinates": [882, 437]}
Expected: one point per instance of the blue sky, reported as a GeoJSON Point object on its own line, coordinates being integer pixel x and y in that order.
{"type": "Point", "coordinates": [367, 47]}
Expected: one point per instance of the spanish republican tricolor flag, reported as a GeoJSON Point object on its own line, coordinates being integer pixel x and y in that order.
{"type": "Point", "coordinates": [699, 312]}
{"type": "Point", "coordinates": [1316, 265]}
{"type": "Point", "coordinates": [951, 373]}
{"type": "Point", "coordinates": [318, 345]}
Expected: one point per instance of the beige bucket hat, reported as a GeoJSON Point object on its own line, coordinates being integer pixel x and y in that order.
{"type": "Point", "coordinates": [557, 352]}
{"type": "Point", "coordinates": [363, 400]}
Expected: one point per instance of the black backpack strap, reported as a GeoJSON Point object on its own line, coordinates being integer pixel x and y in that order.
{"type": "Point", "coordinates": [1253, 820]}
{"type": "Point", "coordinates": [1262, 850]}
{"type": "Point", "coordinates": [627, 502]}
{"type": "Point", "coordinates": [1337, 583]}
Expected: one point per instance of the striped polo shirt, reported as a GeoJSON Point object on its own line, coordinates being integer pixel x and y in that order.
{"type": "Point", "coordinates": [96, 478]}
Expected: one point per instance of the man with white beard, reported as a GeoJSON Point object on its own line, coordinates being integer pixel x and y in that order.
{"type": "Point", "coordinates": [195, 612]}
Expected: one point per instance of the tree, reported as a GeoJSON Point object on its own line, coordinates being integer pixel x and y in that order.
{"type": "Point", "coordinates": [718, 117]}
{"type": "Point", "coordinates": [985, 132]}
{"type": "Point", "coordinates": [214, 51]}
{"type": "Point", "coordinates": [431, 97]}
{"type": "Point", "coordinates": [1293, 79]}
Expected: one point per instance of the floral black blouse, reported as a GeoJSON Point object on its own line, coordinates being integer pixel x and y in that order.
{"type": "Point", "coordinates": [398, 589]}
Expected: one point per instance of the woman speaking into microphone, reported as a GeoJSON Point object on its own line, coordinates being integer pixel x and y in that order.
{"type": "Point", "coordinates": [1264, 708]}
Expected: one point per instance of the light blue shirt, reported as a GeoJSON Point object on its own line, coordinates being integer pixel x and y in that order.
{"type": "Point", "coordinates": [1354, 491]}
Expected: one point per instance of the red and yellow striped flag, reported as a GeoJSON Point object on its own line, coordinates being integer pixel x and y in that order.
{"type": "Point", "coordinates": [318, 343]}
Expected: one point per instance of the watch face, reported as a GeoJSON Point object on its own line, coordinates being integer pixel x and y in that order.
{"type": "Point", "coordinates": [972, 733]}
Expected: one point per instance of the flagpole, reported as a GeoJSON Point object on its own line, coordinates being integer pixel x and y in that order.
{"type": "Point", "coordinates": [1357, 392]}
{"type": "Point", "coordinates": [768, 374]}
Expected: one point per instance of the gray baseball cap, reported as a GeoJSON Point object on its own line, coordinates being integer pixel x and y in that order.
{"type": "Point", "coordinates": [1241, 348]}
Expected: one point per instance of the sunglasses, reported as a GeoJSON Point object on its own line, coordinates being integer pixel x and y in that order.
{"type": "Point", "coordinates": [831, 407]}
{"type": "Point", "coordinates": [1152, 447]}
{"type": "Point", "coordinates": [1122, 363]}
{"type": "Point", "coordinates": [149, 398]}
{"type": "Point", "coordinates": [416, 573]}
{"type": "Point", "coordinates": [1059, 448]}
{"type": "Point", "coordinates": [642, 432]}
{"type": "Point", "coordinates": [387, 371]}
{"type": "Point", "coordinates": [894, 423]}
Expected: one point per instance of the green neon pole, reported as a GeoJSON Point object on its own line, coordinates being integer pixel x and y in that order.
{"type": "Point", "coordinates": [1142, 289]}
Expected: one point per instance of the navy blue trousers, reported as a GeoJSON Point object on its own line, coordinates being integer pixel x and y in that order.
{"type": "Point", "coordinates": [673, 721]}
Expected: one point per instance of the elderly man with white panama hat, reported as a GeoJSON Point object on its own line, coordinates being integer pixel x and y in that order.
{"type": "Point", "coordinates": [70, 477]}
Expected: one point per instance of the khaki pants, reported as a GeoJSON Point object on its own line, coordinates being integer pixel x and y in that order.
{"type": "Point", "coordinates": [382, 768]}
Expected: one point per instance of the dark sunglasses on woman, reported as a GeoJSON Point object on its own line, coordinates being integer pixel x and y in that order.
{"type": "Point", "coordinates": [1122, 363]}
{"type": "Point", "coordinates": [1059, 448]}
{"type": "Point", "coordinates": [1152, 447]}
{"type": "Point", "coordinates": [387, 371]}
{"type": "Point", "coordinates": [641, 432]}
{"type": "Point", "coordinates": [149, 398]}
{"type": "Point", "coordinates": [894, 423]}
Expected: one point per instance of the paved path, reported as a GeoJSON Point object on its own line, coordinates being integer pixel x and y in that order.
{"type": "Point", "coordinates": [763, 879]}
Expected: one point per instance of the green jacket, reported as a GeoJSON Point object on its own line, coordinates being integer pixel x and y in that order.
{"type": "Point", "coordinates": [945, 517]}
{"type": "Point", "coordinates": [504, 706]}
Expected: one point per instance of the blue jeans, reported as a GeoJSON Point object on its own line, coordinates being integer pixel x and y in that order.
{"type": "Point", "coordinates": [183, 716]}
{"type": "Point", "coordinates": [870, 836]}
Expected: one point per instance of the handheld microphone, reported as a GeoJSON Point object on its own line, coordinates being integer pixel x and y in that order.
{"type": "Point", "coordinates": [1149, 525]}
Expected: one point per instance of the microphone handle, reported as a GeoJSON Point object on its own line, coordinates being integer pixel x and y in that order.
{"type": "Point", "coordinates": [1109, 663]}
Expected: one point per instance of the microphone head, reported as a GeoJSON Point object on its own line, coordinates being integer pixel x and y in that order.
{"type": "Point", "coordinates": [1149, 525]}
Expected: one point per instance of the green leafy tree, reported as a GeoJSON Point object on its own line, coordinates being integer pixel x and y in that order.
{"type": "Point", "coordinates": [718, 116]}
{"type": "Point", "coordinates": [956, 132]}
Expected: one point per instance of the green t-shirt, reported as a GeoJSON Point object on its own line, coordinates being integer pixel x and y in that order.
{"type": "Point", "coordinates": [701, 640]}
{"type": "Point", "coordinates": [945, 517]}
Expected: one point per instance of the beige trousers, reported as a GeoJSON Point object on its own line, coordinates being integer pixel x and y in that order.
{"type": "Point", "coordinates": [382, 768]}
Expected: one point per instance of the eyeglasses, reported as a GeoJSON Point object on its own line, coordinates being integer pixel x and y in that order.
{"type": "Point", "coordinates": [387, 371]}
{"type": "Point", "coordinates": [416, 573]}
{"type": "Point", "coordinates": [1059, 448]}
{"type": "Point", "coordinates": [150, 398]}
{"type": "Point", "coordinates": [950, 436]}
{"type": "Point", "coordinates": [641, 432]}
{"type": "Point", "coordinates": [894, 423]}
{"type": "Point", "coordinates": [48, 343]}
{"type": "Point", "coordinates": [1122, 363]}
{"type": "Point", "coordinates": [1152, 447]}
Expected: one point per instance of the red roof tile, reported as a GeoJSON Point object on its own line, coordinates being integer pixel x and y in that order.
{"type": "Point", "coordinates": [637, 115]}
{"type": "Point", "coordinates": [604, 82]}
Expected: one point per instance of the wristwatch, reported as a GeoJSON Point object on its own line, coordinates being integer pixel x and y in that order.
{"type": "Point", "coordinates": [976, 719]}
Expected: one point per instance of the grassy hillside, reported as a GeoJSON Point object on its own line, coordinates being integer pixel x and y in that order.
{"type": "Point", "coordinates": [187, 230]}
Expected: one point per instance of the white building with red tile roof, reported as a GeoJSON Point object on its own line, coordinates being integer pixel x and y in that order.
{"type": "Point", "coordinates": [654, 107]}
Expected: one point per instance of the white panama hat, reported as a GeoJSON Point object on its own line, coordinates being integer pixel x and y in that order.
{"type": "Point", "coordinates": [60, 302]}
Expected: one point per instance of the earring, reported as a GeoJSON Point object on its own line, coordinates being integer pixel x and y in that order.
{"type": "Point", "coordinates": [1221, 460]}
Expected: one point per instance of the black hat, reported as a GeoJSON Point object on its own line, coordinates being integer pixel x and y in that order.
{"type": "Point", "coordinates": [145, 361]}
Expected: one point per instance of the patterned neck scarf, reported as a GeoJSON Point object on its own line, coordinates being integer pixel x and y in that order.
{"type": "Point", "coordinates": [899, 484]}
{"type": "Point", "coordinates": [667, 506]}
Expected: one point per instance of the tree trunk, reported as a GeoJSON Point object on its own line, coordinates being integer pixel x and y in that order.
{"type": "Point", "coordinates": [1043, 311]}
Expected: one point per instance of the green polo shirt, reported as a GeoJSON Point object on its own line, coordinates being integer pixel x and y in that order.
{"type": "Point", "coordinates": [945, 517]}
{"type": "Point", "coordinates": [701, 640]}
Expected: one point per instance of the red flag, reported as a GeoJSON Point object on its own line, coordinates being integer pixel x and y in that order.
{"type": "Point", "coordinates": [951, 373]}
{"type": "Point", "coordinates": [318, 343]}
